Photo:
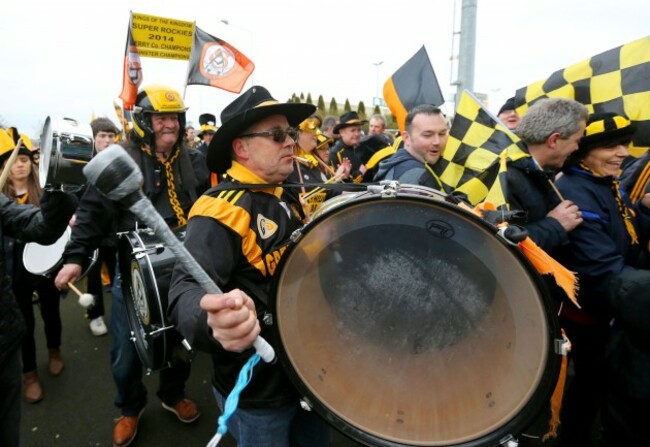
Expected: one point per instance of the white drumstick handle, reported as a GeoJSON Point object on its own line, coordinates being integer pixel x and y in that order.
{"type": "Point", "coordinates": [148, 214]}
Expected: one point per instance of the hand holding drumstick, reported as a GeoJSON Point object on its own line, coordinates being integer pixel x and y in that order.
{"type": "Point", "coordinates": [85, 299]}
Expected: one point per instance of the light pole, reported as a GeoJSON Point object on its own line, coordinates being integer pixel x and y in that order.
{"type": "Point", "coordinates": [250, 39]}
{"type": "Point", "coordinates": [377, 100]}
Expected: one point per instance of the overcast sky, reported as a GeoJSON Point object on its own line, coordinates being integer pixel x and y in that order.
{"type": "Point", "coordinates": [65, 58]}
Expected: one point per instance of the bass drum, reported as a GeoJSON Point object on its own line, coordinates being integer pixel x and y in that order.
{"type": "Point", "coordinates": [407, 321]}
{"type": "Point", "coordinates": [146, 267]}
{"type": "Point", "coordinates": [66, 147]}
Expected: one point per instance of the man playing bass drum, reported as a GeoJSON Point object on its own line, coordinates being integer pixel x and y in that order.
{"type": "Point", "coordinates": [174, 177]}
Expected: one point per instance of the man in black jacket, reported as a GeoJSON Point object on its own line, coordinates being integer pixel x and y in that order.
{"type": "Point", "coordinates": [30, 224]}
{"type": "Point", "coordinates": [174, 176]}
{"type": "Point", "coordinates": [238, 236]}
{"type": "Point", "coordinates": [551, 130]}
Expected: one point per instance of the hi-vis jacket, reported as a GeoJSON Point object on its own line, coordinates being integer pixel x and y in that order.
{"type": "Point", "coordinates": [238, 236]}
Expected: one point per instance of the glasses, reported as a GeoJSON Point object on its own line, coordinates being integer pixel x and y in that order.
{"type": "Point", "coordinates": [278, 135]}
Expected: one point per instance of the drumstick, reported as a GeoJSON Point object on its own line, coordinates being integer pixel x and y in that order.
{"type": "Point", "coordinates": [85, 299]}
{"type": "Point", "coordinates": [7, 169]}
{"type": "Point", "coordinates": [116, 175]}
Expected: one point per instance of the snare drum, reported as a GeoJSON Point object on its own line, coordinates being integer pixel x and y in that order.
{"type": "Point", "coordinates": [46, 260]}
{"type": "Point", "coordinates": [146, 267]}
{"type": "Point", "coordinates": [66, 147]}
{"type": "Point", "coordinates": [407, 321]}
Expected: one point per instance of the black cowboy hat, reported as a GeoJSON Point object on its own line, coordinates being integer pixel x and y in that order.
{"type": "Point", "coordinates": [349, 119]}
{"type": "Point", "coordinates": [252, 106]}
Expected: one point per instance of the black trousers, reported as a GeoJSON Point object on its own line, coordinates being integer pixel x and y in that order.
{"type": "Point", "coordinates": [49, 298]}
{"type": "Point", "coordinates": [10, 398]}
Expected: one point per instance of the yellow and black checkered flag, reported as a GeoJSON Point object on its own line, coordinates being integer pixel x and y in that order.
{"type": "Point", "coordinates": [617, 80]}
{"type": "Point", "coordinates": [471, 162]}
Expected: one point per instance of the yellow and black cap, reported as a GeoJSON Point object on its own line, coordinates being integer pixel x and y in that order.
{"type": "Point", "coordinates": [252, 106]}
{"type": "Point", "coordinates": [606, 130]}
{"type": "Point", "coordinates": [208, 123]}
{"type": "Point", "coordinates": [8, 140]}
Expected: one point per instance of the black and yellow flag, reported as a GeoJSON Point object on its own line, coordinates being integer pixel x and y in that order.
{"type": "Point", "coordinates": [478, 149]}
{"type": "Point", "coordinates": [617, 81]}
{"type": "Point", "coordinates": [414, 83]}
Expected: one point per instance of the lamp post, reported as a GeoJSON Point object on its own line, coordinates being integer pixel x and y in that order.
{"type": "Point", "coordinates": [250, 38]}
{"type": "Point", "coordinates": [377, 101]}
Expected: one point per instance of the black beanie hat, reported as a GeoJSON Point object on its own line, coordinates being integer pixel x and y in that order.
{"type": "Point", "coordinates": [508, 105]}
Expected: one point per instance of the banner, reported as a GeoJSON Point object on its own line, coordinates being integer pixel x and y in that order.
{"type": "Point", "coordinates": [414, 83]}
{"type": "Point", "coordinates": [162, 37]}
{"type": "Point", "coordinates": [216, 63]}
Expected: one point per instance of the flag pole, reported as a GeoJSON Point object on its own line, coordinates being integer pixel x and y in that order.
{"type": "Point", "coordinates": [189, 62]}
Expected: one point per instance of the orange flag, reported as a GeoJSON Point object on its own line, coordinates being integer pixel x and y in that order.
{"type": "Point", "coordinates": [132, 70]}
{"type": "Point", "coordinates": [217, 63]}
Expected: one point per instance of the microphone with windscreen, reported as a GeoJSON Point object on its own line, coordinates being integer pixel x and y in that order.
{"type": "Point", "coordinates": [117, 176]}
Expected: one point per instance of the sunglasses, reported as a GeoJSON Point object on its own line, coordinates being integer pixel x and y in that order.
{"type": "Point", "coordinates": [278, 135]}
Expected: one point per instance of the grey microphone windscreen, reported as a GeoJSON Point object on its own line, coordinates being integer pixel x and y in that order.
{"type": "Point", "coordinates": [114, 173]}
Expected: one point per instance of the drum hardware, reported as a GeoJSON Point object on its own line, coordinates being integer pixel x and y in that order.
{"type": "Point", "coordinates": [562, 346]}
{"type": "Point", "coordinates": [509, 441]}
{"type": "Point", "coordinates": [512, 234]}
{"type": "Point", "coordinates": [45, 260]}
{"type": "Point", "coordinates": [146, 265]}
{"type": "Point", "coordinates": [459, 331]}
{"type": "Point", "coordinates": [66, 147]}
{"type": "Point", "coordinates": [305, 404]}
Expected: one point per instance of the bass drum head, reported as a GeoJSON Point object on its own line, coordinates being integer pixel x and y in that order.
{"type": "Point", "coordinates": [408, 322]}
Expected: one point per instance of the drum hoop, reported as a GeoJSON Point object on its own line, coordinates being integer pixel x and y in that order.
{"type": "Point", "coordinates": [29, 246]}
{"type": "Point", "coordinates": [531, 409]}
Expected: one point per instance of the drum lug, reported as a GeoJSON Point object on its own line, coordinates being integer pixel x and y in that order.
{"type": "Point", "coordinates": [296, 235]}
{"type": "Point", "coordinates": [305, 404]}
{"type": "Point", "coordinates": [387, 189]}
{"type": "Point", "coordinates": [562, 346]}
{"type": "Point", "coordinates": [512, 235]}
{"type": "Point", "coordinates": [509, 441]}
{"type": "Point", "coordinates": [267, 319]}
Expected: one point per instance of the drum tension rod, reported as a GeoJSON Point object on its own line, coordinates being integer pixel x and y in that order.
{"type": "Point", "coordinates": [509, 441]}
{"type": "Point", "coordinates": [140, 252]}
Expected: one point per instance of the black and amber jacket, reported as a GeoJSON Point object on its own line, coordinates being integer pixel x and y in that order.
{"type": "Point", "coordinates": [238, 236]}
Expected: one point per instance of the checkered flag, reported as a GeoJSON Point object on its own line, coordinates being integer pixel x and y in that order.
{"type": "Point", "coordinates": [617, 80]}
{"type": "Point", "coordinates": [478, 149]}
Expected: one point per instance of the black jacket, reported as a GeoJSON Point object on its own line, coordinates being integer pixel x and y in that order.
{"type": "Point", "coordinates": [529, 189]}
{"type": "Point", "coordinates": [238, 237]}
{"type": "Point", "coordinates": [28, 224]}
{"type": "Point", "coordinates": [98, 217]}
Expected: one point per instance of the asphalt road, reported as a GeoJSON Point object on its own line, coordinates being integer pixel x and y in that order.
{"type": "Point", "coordinates": [78, 409]}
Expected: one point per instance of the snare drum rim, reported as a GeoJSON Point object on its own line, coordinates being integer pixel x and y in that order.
{"type": "Point", "coordinates": [540, 397]}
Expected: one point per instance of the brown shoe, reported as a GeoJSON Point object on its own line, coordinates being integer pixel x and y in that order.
{"type": "Point", "coordinates": [185, 410]}
{"type": "Point", "coordinates": [126, 427]}
{"type": "Point", "coordinates": [55, 366]}
{"type": "Point", "coordinates": [32, 389]}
